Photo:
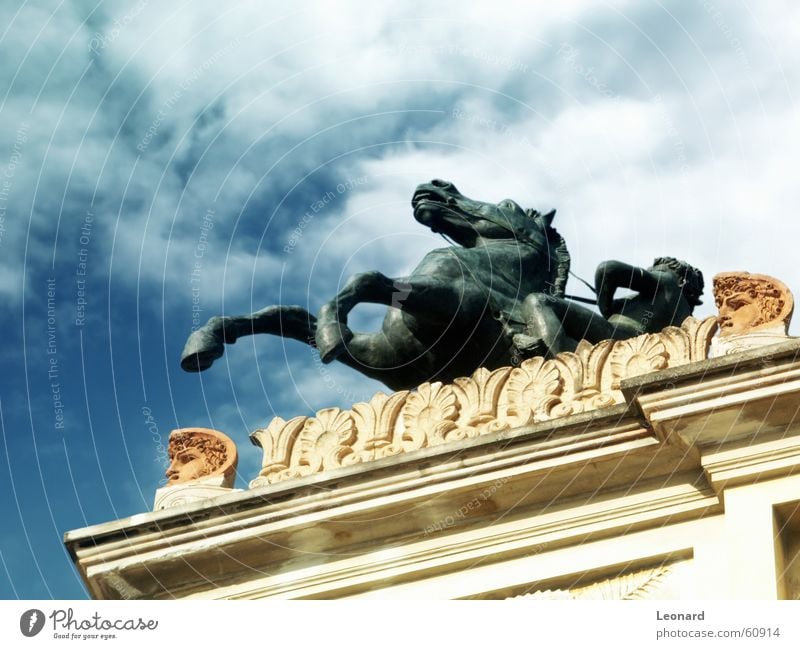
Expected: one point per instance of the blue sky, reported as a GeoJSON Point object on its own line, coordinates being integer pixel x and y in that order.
{"type": "Point", "coordinates": [140, 138]}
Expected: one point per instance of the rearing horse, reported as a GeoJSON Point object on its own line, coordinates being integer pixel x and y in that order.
{"type": "Point", "coordinates": [456, 312]}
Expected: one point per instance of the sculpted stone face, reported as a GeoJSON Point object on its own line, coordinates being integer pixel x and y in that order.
{"type": "Point", "coordinates": [197, 453]}
{"type": "Point", "coordinates": [739, 313]}
{"type": "Point", "coordinates": [749, 303]}
{"type": "Point", "coordinates": [187, 465]}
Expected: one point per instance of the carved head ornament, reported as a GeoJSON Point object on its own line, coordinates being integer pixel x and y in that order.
{"type": "Point", "coordinates": [197, 453]}
{"type": "Point", "coordinates": [749, 302]}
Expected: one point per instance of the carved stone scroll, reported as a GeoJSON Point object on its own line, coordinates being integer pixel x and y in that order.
{"type": "Point", "coordinates": [488, 401]}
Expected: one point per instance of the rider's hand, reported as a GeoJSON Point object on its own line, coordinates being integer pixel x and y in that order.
{"type": "Point", "coordinates": [605, 288]}
{"type": "Point", "coordinates": [605, 302]}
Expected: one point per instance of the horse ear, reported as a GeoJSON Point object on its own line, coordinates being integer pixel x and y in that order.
{"type": "Point", "coordinates": [548, 218]}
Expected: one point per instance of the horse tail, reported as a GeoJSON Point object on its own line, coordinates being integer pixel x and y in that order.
{"type": "Point", "coordinates": [560, 270]}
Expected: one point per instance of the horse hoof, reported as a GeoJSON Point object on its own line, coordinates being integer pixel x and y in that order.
{"type": "Point", "coordinates": [202, 348]}
{"type": "Point", "coordinates": [332, 341]}
{"type": "Point", "coordinates": [529, 346]}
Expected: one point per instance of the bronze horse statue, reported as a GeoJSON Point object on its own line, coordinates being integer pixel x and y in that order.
{"type": "Point", "coordinates": [459, 310]}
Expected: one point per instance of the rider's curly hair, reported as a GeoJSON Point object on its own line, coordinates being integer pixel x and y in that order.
{"type": "Point", "coordinates": [691, 279]}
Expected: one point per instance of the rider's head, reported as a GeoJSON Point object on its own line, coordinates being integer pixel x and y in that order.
{"type": "Point", "coordinates": [690, 279]}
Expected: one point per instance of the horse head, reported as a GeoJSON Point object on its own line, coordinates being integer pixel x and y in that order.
{"type": "Point", "coordinates": [439, 206]}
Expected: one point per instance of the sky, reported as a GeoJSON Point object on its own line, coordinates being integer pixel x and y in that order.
{"type": "Point", "coordinates": [161, 162]}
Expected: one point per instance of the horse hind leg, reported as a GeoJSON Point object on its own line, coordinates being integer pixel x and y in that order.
{"type": "Point", "coordinates": [207, 344]}
{"type": "Point", "coordinates": [332, 332]}
{"type": "Point", "coordinates": [204, 346]}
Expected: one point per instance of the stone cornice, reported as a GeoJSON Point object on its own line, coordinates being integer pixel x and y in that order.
{"type": "Point", "coordinates": [737, 412]}
{"type": "Point", "coordinates": [420, 497]}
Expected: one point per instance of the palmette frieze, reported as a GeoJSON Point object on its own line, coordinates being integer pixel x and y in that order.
{"type": "Point", "coordinates": [638, 584]}
{"type": "Point", "coordinates": [537, 390]}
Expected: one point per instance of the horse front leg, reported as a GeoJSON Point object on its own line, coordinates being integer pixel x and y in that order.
{"type": "Point", "coordinates": [207, 344]}
{"type": "Point", "coordinates": [332, 332]}
{"type": "Point", "coordinates": [555, 325]}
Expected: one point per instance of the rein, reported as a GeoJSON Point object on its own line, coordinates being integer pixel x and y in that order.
{"type": "Point", "coordinates": [517, 237]}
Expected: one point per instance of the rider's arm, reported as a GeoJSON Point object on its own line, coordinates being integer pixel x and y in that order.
{"type": "Point", "coordinates": [611, 275]}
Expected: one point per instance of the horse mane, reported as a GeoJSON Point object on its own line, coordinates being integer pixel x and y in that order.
{"type": "Point", "coordinates": [558, 258]}
{"type": "Point", "coordinates": [560, 270]}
